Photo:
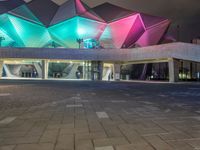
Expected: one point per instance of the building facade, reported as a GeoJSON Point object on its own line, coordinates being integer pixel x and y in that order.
{"type": "Point", "coordinates": [43, 40]}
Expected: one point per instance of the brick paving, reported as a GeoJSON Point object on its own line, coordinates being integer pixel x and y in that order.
{"type": "Point", "coordinates": [49, 115]}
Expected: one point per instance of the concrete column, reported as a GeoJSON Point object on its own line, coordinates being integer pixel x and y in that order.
{"type": "Point", "coordinates": [100, 67]}
{"type": "Point", "coordinates": [86, 70]}
{"type": "Point", "coordinates": [117, 70]}
{"type": "Point", "coordinates": [1, 68]}
{"type": "Point", "coordinates": [45, 67]}
{"type": "Point", "coordinates": [173, 70]}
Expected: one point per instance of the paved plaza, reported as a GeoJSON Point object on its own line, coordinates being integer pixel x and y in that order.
{"type": "Point", "coordinates": [83, 115]}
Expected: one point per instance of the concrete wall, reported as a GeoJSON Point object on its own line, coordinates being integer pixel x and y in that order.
{"type": "Point", "coordinates": [174, 50]}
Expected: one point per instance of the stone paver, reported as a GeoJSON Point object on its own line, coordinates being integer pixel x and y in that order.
{"type": "Point", "coordinates": [7, 120]}
{"type": "Point", "coordinates": [180, 145]}
{"type": "Point", "coordinates": [104, 148]}
{"type": "Point", "coordinates": [102, 115]}
{"type": "Point", "coordinates": [194, 143]}
{"type": "Point", "coordinates": [47, 115]}
{"type": "Point", "coordinates": [110, 141]}
{"type": "Point", "coordinates": [75, 105]}
{"type": "Point", "coordinates": [157, 143]}
{"type": "Point", "coordinates": [134, 147]}
{"type": "Point", "coordinates": [84, 145]}
{"type": "Point", "coordinates": [4, 94]}
{"type": "Point", "coordinates": [10, 147]}
{"type": "Point", "coordinates": [43, 146]}
{"type": "Point", "coordinates": [65, 142]}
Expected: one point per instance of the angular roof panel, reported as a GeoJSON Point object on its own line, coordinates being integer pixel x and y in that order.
{"type": "Point", "coordinates": [32, 35]}
{"type": "Point", "coordinates": [85, 11]}
{"type": "Point", "coordinates": [24, 13]}
{"type": "Point", "coordinates": [8, 28]}
{"type": "Point", "coordinates": [7, 41]}
{"type": "Point", "coordinates": [51, 44]}
{"type": "Point", "coordinates": [110, 12]}
{"type": "Point", "coordinates": [134, 33]}
{"type": "Point", "coordinates": [90, 14]}
{"type": "Point", "coordinates": [150, 20]}
{"type": "Point", "coordinates": [115, 33]}
{"type": "Point", "coordinates": [72, 8]}
{"type": "Point", "coordinates": [44, 10]}
{"type": "Point", "coordinates": [8, 5]}
{"type": "Point", "coordinates": [153, 35]}
{"type": "Point", "coordinates": [65, 11]}
{"type": "Point", "coordinates": [80, 7]}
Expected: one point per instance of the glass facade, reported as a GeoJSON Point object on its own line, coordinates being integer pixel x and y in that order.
{"type": "Point", "coordinates": [97, 70]}
{"type": "Point", "coordinates": [22, 69]}
{"type": "Point", "coordinates": [68, 70]}
{"type": "Point", "coordinates": [150, 71]}
{"type": "Point", "coordinates": [74, 70]}
{"type": "Point", "coordinates": [188, 71]}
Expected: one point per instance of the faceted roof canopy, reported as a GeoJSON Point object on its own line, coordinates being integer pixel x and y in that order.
{"type": "Point", "coordinates": [39, 23]}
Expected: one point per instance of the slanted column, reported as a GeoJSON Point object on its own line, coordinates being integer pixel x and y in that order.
{"type": "Point", "coordinates": [45, 67]}
{"type": "Point", "coordinates": [117, 70]}
{"type": "Point", "coordinates": [173, 70]}
{"type": "Point", "coordinates": [1, 68]}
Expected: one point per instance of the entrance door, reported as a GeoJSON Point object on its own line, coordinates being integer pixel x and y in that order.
{"type": "Point", "coordinates": [108, 72]}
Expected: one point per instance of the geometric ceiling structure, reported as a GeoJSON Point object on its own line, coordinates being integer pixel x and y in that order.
{"type": "Point", "coordinates": [39, 23]}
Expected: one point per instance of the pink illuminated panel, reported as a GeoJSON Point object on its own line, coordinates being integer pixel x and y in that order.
{"type": "Point", "coordinates": [80, 8]}
{"type": "Point", "coordinates": [134, 34]}
{"type": "Point", "coordinates": [153, 35]}
{"type": "Point", "coordinates": [120, 29]}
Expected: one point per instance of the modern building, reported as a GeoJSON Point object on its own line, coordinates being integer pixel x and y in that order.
{"type": "Point", "coordinates": [43, 40]}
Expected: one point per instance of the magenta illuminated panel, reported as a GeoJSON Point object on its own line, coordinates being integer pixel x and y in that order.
{"type": "Point", "coordinates": [153, 35]}
{"type": "Point", "coordinates": [80, 7]}
{"type": "Point", "coordinates": [120, 30]}
{"type": "Point", "coordinates": [135, 33]}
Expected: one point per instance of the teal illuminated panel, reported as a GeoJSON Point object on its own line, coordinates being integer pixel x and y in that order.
{"type": "Point", "coordinates": [66, 33]}
{"type": "Point", "coordinates": [24, 13]}
{"type": "Point", "coordinates": [31, 34]}
{"type": "Point", "coordinates": [8, 29]}
{"type": "Point", "coordinates": [106, 38]}
{"type": "Point", "coordinates": [7, 41]}
{"type": "Point", "coordinates": [91, 29]}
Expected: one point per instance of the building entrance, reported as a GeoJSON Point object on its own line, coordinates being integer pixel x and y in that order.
{"type": "Point", "coordinates": [108, 72]}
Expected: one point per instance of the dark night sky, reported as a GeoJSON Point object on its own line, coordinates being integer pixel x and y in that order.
{"type": "Point", "coordinates": [185, 13]}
